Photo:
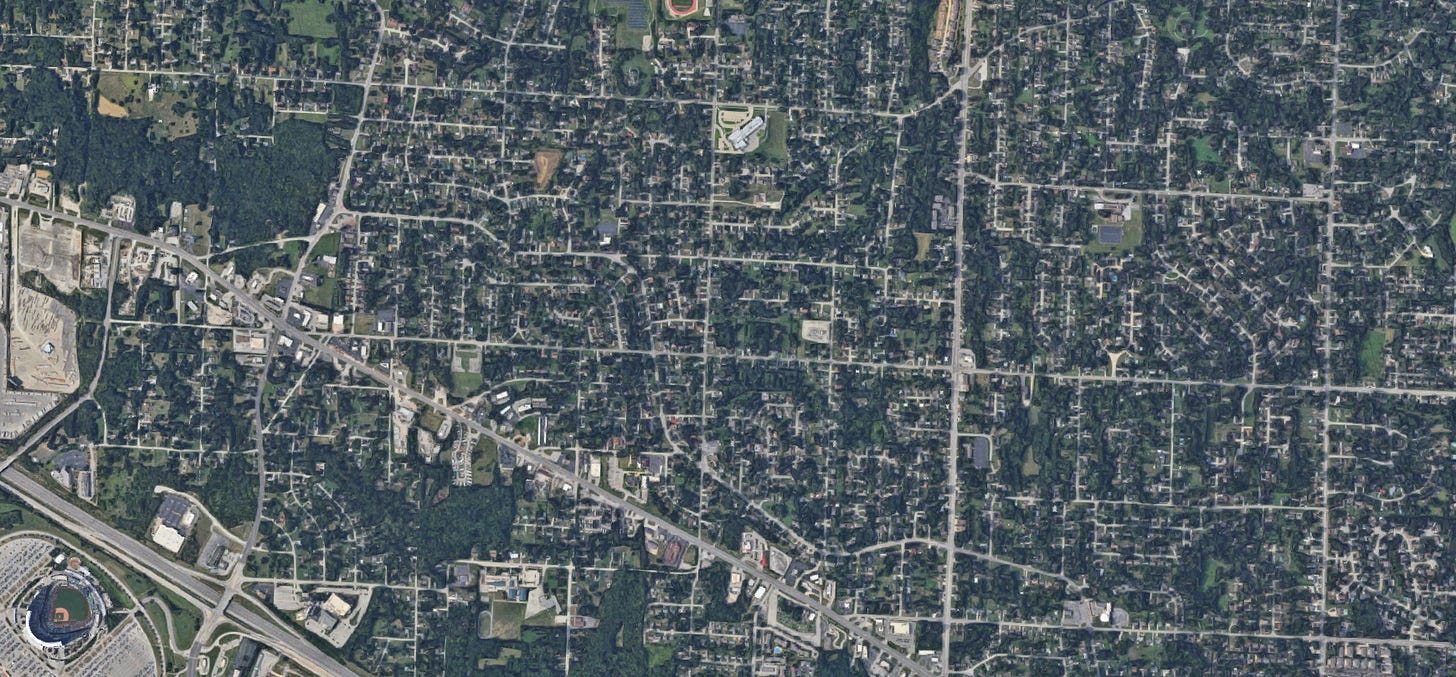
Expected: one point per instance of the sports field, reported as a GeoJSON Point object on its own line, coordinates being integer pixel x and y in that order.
{"type": "Point", "coordinates": [680, 8]}
{"type": "Point", "coordinates": [70, 606]}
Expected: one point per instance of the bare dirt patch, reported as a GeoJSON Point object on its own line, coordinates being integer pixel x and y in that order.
{"type": "Point", "coordinates": [109, 108]}
{"type": "Point", "coordinates": [945, 16]}
{"type": "Point", "coordinates": [815, 331]}
{"type": "Point", "coordinates": [545, 163]}
{"type": "Point", "coordinates": [52, 247]}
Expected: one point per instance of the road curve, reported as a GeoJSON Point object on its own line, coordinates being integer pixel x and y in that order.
{"type": "Point", "coordinates": [546, 463]}
{"type": "Point", "coordinates": [185, 582]}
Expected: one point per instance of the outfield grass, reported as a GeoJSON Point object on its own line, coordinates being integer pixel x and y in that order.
{"type": "Point", "coordinates": [73, 602]}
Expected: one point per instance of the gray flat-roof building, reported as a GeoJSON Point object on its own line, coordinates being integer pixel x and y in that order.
{"type": "Point", "coordinates": [174, 513]}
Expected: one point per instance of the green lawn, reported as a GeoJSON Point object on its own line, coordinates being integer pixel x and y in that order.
{"type": "Point", "coordinates": [659, 655]}
{"type": "Point", "coordinates": [186, 619]}
{"type": "Point", "coordinates": [1203, 151]}
{"type": "Point", "coordinates": [431, 419]}
{"type": "Point", "coordinates": [1212, 569]}
{"type": "Point", "coordinates": [1132, 236]}
{"type": "Point", "coordinates": [318, 118]}
{"type": "Point", "coordinates": [506, 619]}
{"type": "Point", "coordinates": [465, 384]}
{"type": "Point", "coordinates": [309, 18]}
{"type": "Point", "coordinates": [487, 459]}
{"type": "Point", "coordinates": [1372, 353]}
{"type": "Point", "coordinates": [323, 296]}
{"type": "Point", "coordinates": [775, 141]}
{"type": "Point", "coordinates": [327, 245]}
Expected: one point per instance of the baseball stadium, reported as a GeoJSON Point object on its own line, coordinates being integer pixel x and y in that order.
{"type": "Point", "coordinates": [66, 609]}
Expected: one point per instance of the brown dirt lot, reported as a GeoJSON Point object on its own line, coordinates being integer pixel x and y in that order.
{"type": "Point", "coordinates": [943, 20]}
{"type": "Point", "coordinates": [545, 163]}
{"type": "Point", "coordinates": [109, 108]}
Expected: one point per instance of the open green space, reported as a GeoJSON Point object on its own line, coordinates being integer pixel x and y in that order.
{"type": "Point", "coordinates": [1203, 151]}
{"type": "Point", "coordinates": [465, 384]}
{"type": "Point", "coordinates": [1212, 568]}
{"type": "Point", "coordinates": [506, 618]}
{"type": "Point", "coordinates": [1132, 237]}
{"type": "Point", "coordinates": [776, 137]}
{"type": "Point", "coordinates": [327, 245]}
{"type": "Point", "coordinates": [186, 619]}
{"type": "Point", "coordinates": [487, 459]}
{"type": "Point", "coordinates": [310, 18]}
{"type": "Point", "coordinates": [1372, 352]}
{"type": "Point", "coordinates": [326, 295]}
{"type": "Point", "coordinates": [922, 245]}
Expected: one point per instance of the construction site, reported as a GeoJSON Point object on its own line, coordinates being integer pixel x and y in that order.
{"type": "Point", "coordinates": [38, 338]}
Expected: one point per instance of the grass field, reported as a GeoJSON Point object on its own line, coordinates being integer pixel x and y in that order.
{"type": "Point", "coordinates": [1372, 352]}
{"type": "Point", "coordinates": [310, 18]}
{"type": "Point", "coordinates": [1203, 151]}
{"type": "Point", "coordinates": [465, 384]}
{"type": "Point", "coordinates": [922, 246]}
{"type": "Point", "coordinates": [1029, 466]}
{"type": "Point", "coordinates": [324, 295]}
{"type": "Point", "coordinates": [327, 245]}
{"type": "Point", "coordinates": [506, 618]}
{"type": "Point", "coordinates": [109, 108]}
{"type": "Point", "coordinates": [156, 98]}
{"type": "Point", "coordinates": [71, 605]}
{"type": "Point", "coordinates": [318, 118]}
{"type": "Point", "coordinates": [659, 654]}
{"type": "Point", "coordinates": [1132, 236]}
{"type": "Point", "coordinates": [186, 620]}
{"type": "Point", "coordinates": [625, 36]}
{"type": "Point", "coordinates": [487, 459]}
{"type": "Point", "coordinates": [776, 139]}
{"type": "Point", "coordinates": [431, 418]}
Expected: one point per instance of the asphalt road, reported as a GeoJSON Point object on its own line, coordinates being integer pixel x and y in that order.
{"type": "Point", "coordinates": [167, 573]}
{"type": "Point", "coordinates": [586, 487]}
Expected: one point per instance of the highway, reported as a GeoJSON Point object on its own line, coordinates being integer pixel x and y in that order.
{"type": "Point", "coordinates": [300, 649]}
{"type": "Point", "coordinates": [167, 573]}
